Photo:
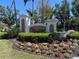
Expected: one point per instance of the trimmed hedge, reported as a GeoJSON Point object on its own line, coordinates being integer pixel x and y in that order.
{"type": "Point", "coordinates": [40, 37]}
{"type": "Point", "coordinates": [74, 35]}
{"type": "Point", "coordinates": [33, 37]}
{"type": "Point", "coordinates": [27, 34]}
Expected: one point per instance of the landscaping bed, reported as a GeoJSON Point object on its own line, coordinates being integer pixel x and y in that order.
{"type": "Point", "coordinates": [58, 49]}
{"type": "Point", "coordinates": [48, 44]}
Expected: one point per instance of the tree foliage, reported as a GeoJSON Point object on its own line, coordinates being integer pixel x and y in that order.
{"type": "Point", "coordinates": [48, 11]}
{"type": "Point", "coordinates": [75, 8]}
{"type": "Point", "coordinates": [35, 15]}
{"type": "Point", "coordinates": [25, 1]}
{"type": "Point", "coordinates": [7, 16]}
{"type": "Point", "coordinates": [62, 12]}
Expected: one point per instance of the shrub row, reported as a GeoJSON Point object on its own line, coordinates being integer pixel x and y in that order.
{"type": "Point", "coordinates": [40, 37]}
{"type": "Point", "coordinates": [26, 34]}
{"type": "Point", "coordinates": [73, 35]}
{"type": "Point", "coordinates": [3, 35]}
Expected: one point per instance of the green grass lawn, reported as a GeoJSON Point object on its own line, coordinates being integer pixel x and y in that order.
{"type": "Point", "coordinates": [6, 52]}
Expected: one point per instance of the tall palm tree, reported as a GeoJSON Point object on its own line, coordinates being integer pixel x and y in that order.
{"type": "Point", "coordinates": [65, 3]}
{"type": "Point", "coordinates": [15, 11]}
{"type": "Point", "coordinates": [25, 1]}
{"type": "Point", "coordinates": [32, 7]}
{"type": "Point", "coordinates": [42, 17]}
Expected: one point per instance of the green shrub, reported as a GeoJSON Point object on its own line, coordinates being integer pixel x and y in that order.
{"type": "Point", "coordinates": [2, 35]}
{"type": "Point", "coordinates": [28, 36]}
{"type": "Point", "coordinates": [74, 35]}
{"type": "Point", "coordinates": [13, 32]}
{"type": "Point", "coordinates": [54, 35]}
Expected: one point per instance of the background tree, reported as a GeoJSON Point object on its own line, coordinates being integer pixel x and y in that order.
{"type": "Point", "coordinates": [35, 15]}
{"type": "Point", "coordinates": [2, 11]}
{"type": "Point", "coordinates": [7, 16]}
{"type": "Point", "coordinates": [25, 1]}
{"type": "Point", "coordinates": [75, 8]}
{"type": "Point", "coordinates": [48, 11]}
{"type": "Point", "coordinates": [75, 13]}
{"type": "Point", "coordinates": [62, 13]}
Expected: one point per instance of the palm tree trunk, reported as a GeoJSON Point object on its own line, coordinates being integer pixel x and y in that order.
{"type": "Point", "coordinates": [32, 8]}
{"type": "Point", "coordinates": [15, 12]}
{"type": "Point", "coordinates": [65, 2]}
{"type": "Point", "coordinates": [42, 19]}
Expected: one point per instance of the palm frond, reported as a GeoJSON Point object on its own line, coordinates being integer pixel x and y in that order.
{"type": "Point", "coordinates": [25, 1]}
